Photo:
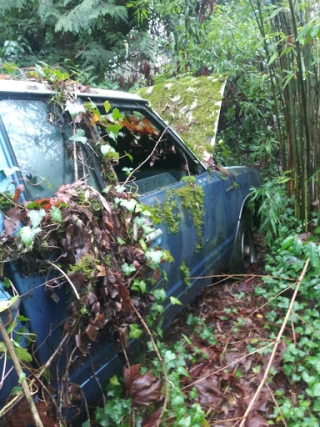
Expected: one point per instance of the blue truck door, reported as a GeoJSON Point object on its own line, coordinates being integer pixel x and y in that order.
{"type": "Point", "coordinates": [200, 257]}
{"type": "Point", "coordinates": [214, 252]}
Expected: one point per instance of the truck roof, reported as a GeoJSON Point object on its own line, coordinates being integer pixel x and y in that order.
{"type": "Point", "coordinates": [33, 87]}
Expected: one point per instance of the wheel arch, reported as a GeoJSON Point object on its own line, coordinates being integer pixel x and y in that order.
{"type": "Point", "coordinates": [250, 212]}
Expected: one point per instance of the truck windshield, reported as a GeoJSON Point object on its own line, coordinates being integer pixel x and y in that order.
{"type": "Point", "coordinates": [41, 146]}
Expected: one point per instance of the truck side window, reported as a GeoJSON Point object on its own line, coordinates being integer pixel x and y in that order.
{"type": "Point", "coordinates": [42, 148]}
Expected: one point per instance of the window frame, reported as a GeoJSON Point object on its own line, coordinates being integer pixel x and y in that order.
{"type": "Point", "coordinates": [156, 120]}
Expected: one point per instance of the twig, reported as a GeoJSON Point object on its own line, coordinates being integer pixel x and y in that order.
{"type": "Point", "coordinates": [165, 403]}
{"type": "Point", "coordinates": [75, 161]}
{"type": "Point", "coordinates": [66, 276]}
{"type": "Point", "coordinates": [126, 356]}
{"type": "Point", "coordinates": [145, 161]}
{"type": "Point", "coordinates": [230, 276]}
{"type": "Point", "coordinates": [308, 324]}
{"type": "Point", "coordinates": [48, 362]}
{"type": "Point", "coordinates": [229, 419]}
{"type": "Point", "coordinates": [37, 376]}
{"type": "Point", "coordinates": [277, 342]}
{"type": "Point", "coordinates": [86, 407]}
{"type": "Point", "coordinates": [99, 384]}
{"type": "Point", "coordinates": [293, 331]}
{"type": "Point", "coordinates": [273, 298]}
{"type": "Point", "coordinates": [226, 366]}
{"type": "Point", "coordinates": [18, 368]}
{"type": "Point", "coordinates": [277, 405]}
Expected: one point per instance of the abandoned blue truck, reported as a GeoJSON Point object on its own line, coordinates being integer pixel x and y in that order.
{"type": "Point", "coordinates": [34, 152]}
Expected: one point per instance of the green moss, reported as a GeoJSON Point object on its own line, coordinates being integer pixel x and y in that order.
{"type": "Point", "coordinates": [191, 105]}
{"type": "Point", "coordinates": [167, 213]}
{"type": "Point", "coordinates": [109, 175]}
{"type": "Point", "coordinates": [86, 265]}
{"type": "Point", "coordinates": [189, 179]}
{"type": "Point", "coordinates": [192, 199]}
{"type": "Point", "coordinates": [185, 272]}
{"type": "Point", "coordinates": [6, 201]}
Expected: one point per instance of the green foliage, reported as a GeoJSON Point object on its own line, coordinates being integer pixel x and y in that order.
{"type": "Point", "coordinates": [201, 329]}
{"type": "Point", "coordinates": [16, 331]}
{"type": "Point", "coordinates": [301, 360]}
{"type": "Point", "coordinates": [87, 38]}
{"type": "Point", "coordinates": [273, 208]}
{"type": "Point", "coordinates": [181, 409]}
{"type": "Point", "coordinates": [185, 273]}
{"type": "Point", "coordinates": [116, 408]}
{"type": "Point", "coordinates": [56, 214]}
{"type": "Point", "coordinates": [84, 17]}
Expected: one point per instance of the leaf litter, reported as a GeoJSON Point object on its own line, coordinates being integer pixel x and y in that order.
{"type": "Point", "coordinates": [229, 371]}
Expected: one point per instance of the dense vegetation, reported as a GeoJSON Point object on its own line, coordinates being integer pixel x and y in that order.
{"type": "Point", "coordinates": [270, 51]}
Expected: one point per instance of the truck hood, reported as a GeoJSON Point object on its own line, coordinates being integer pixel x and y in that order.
{"type": "Point", "coordinates": [191, 107]}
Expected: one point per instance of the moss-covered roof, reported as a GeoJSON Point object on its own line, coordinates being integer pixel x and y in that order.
{"type": "Point", "coordinates": [191, 106]}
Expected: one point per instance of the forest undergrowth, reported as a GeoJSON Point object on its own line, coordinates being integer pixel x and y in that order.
{"type": "Point", "coordinates": [229, 337]}
{"type": "Point", "coordinates": [246, 351]}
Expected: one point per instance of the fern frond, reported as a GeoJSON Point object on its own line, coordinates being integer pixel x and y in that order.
{"type": "Point", "coordinates": [119, 13]}
{"type": "Point", "coordinates": [6, 5]}
{"type": "Point", "coordinates": [86, 14]}
{"type": "Point", "coordinates": [47, 11]}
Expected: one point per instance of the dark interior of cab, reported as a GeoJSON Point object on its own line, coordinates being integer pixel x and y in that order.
{"type": "Point", "coordinates": [151, 155]}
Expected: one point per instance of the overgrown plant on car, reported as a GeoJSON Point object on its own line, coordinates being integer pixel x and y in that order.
{"type": "Point", "coordinates": [97, 246]}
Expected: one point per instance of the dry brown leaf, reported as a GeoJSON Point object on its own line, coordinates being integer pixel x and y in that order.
{"type": "Point", "coordinates": [21, 415]}
{"type": "Point", "coordinates": [143, 389]}
{"type": "Point", "coordinates": [152, 421]}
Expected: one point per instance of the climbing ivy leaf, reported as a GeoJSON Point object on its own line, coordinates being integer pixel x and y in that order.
{"type": "Point", "coordinates": [36, 217]}
{"type": "Point", "coordinates": [135, 331]}
{"type": "Point", "coordinates": [313, 253]}
{"type": "Point", "coordinates": [74, 108]}
{"type": "Point", "coordinates": [154, 256]}
{"type": "Point", "coordinates": [27, 235]}
{"type": "Point", "coordinates": [139, 285]}
{"type": "Point", "coordinates": [128, 269]}
{"type": "Point", "coordinates": [107, 106]}
{"type": "Point", "coordinates": [129, 204]}
{"type": "Point", "coordinates": [107, 149]}
{"type": "Point", "coordinates": [56, 214]}
{"type": "Point", "coordinates": [114, 380]}
{"type": "Point", "coordinates": [175, 301]}
{"type": "Point", "coordinates": [79, 136]}
{"type": "Point", "coordinates": [116, 115]}
{"type": "Point", "coordinates": [159, 294]}
{"type": "Point", "coordinates": [23, 354]}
